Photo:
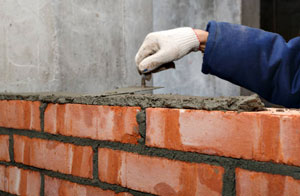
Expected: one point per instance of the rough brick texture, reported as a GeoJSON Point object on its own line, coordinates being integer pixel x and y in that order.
{"type": "Point", "coordinates": [19, 181]}
{"type": "Point", "coordinates": [53, 155]}
{"type": "Point", "coordinates": [158, 175]}
{"type": "Point", "coordinates": [263, 136]}
{"type": "Point", "coordinates": [20, 114]}
{"type": "Point", "coordinates": [95, 122]}
{"type": "Point", "coordinates": [4, 148]}
{"type": "Point", "coordinates": [60, 160]}
{"type": "Point", "coordinates": [54, 187]}
{"type": "Point", "coordinates": [250, 183]}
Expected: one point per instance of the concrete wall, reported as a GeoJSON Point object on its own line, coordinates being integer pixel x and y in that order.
{"type": "Point", "coordinates": [28, 46]}
{"type": "Point", "coordinates": [71, 45]}
{"type": "Point", "coordinates": [88, 46]}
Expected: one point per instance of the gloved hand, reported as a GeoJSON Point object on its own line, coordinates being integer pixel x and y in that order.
{"type": "Point", "coordinates": [163, 47]}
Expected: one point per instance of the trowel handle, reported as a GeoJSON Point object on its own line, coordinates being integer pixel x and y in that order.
{"type": "Point", "coordinates": [170, 65]}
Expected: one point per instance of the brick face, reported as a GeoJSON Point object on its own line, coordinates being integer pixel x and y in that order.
{"type": "Point", "coordinates": [19, 181]}
{"type": "Point", "coordinates": [249, 183]}
{"type": "Point", "coordinates": [20, 114]}
{"type": "Point", "coordinates": [54, 187]}
{"type": "Point", "coordinates": [270, 136]}
{"type": "Point", "coordinates": [158, 175]}
{"type": "Point", "coordinates": [263, 136]}
{"type": "Point", "coordinates": [91, 121]}
{"type": "Point", "coordinates": [53, 155]}
{"type": "Point", "coordinates": [4, 148]}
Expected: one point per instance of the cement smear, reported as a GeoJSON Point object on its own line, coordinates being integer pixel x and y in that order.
{"type": "Point", "coordinates": [238, 103]}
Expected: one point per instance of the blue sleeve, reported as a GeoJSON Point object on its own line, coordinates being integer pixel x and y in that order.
{"type": "Point", "coordinates": [260, 61]}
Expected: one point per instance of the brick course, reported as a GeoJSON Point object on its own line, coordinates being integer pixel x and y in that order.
{"type": "Point", "coordinates": [54, 187]}
{"type": "Point", "coordinates": [53, 155]}
{"type": "Point", "coordinates": [158, 175]}
{"type": "Point", "coordinates": [19, 181]}
{"type": "Point", "coordinates": [4, 148]}
{"type": "Point", "coordinates": [20, 114]}
{"type": "Point", "coordinates": [96, 122]}
{"type": "Point", "coordinates": [263, 136]}
{"type": "Point", "coordinates": [251, 183]}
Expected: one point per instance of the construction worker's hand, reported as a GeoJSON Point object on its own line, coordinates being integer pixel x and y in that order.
{"type": "Point", "coordinates": [160, 49]}
{"type": "Point", "coordinates": [164, 47]}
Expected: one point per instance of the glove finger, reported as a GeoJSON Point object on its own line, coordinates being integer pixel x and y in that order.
{"type": "Point", "coordinates": [148, 48]}
{"type": "Point", "coordinates": [170, 65]}
{"type": "Point", "coordinates": [154, 61]}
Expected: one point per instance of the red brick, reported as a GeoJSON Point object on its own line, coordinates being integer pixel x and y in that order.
{"type": "Point", "coordinates": [55, 156]}
{"type": "Point", "coordinates": [19, 181]}
{"type": "Point", "coordinates": [111, 123]}
{"type": "Point", "coordinates": [250, 183]}
{"type": "Point", "coordinates": [19, 114]}
{"type": "Point", "coordinates": [159, 176]}
{"type": "Point", "coordinates": [263, 136]}
{"type": "Point", "coordinates": [4, 148]}
{"type": "Point", "coordinates": [54, 187]}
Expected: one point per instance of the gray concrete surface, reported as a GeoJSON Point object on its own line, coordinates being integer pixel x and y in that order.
{"type": "Point", "coordinates": [88, 46]}
{"type": "Point", "coordinates": [70, 45]}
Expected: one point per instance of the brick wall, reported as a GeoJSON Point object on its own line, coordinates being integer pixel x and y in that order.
{"type": "Point", "coordinates": [47, 148]}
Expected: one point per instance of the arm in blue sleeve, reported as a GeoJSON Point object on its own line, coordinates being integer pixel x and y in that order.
{"type": "Point", "coordinates": [258, 60]}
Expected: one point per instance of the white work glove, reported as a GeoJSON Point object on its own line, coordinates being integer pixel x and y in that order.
{"type": "Point", "coordinates": [160, 48]}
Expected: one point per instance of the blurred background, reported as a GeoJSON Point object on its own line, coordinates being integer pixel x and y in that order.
{"type": "Point", "coordinates": [88, 46]}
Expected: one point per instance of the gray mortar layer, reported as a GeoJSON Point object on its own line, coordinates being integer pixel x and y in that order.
{"type": "Point", "coordinates": [238, 103]}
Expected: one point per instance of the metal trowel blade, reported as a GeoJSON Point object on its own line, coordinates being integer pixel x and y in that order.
{"type": "Point", "coordinates": [129, 90]}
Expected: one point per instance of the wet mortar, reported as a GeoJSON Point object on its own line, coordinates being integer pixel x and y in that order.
{"type": "Point", "coordinates": [236, 103]}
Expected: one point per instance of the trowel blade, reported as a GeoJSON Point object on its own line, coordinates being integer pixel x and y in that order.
{"type": "Point", "coordinates": [129, 90]}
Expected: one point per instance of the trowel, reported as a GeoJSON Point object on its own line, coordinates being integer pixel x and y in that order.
{"type": "Point", "coordinates": [143, 87]}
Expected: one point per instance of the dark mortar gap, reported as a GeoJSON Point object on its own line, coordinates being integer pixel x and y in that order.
{"type": "Point", "coordinates": [95, 163]}
{"type": "Point", "coordinates": [42, 190]}
{"type": "Point", "coordinates": [268, 167]}
{"type": "Point", "coordinates": [229, 181]}
{"type": "Point", "coordinates": [43, 107]}
{"type": "Point", "coordinates": [11, 148]}
{"type": "Point", "coordinates": [6, 163]}
{"type": "Point", "coordinates": [2, 193]}
{"type": "Point", "coordinates": [237, 103]}
{"type": "Point", "coordinates": [78, 180]}
{"type": "Point", "coordinates": [141, 120]}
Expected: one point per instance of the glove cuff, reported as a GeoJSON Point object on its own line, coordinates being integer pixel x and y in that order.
{"type": "Point", "coordinates": [187, 40]}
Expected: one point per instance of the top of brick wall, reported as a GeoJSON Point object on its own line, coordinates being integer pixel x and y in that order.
{"type": "Point", "coordinates": [238, 103]}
